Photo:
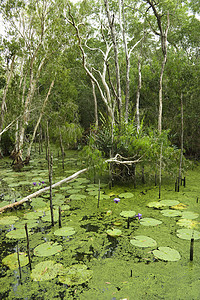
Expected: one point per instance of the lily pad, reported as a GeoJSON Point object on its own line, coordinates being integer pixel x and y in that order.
{"type": "Point", "coordinates": [169, 202]}
{"type": "Point", "coordinates": [126, 195]}
{"type": "Point", "coordinates": [167, 254]}
{"type": "Point", "coordinates": [38, 203]}
{"type": "Point", "coordinates": [11, 260]}
{"type": "Point", "coordinates": [47, 249]}
{"type": "Point", "coordinates": [189, 215]}
{"type": "Point", "coordinates": [4, 203]}
{"type": "Point", "coordinates": [8, 220]}
{"type": "Point", "coordinates": [75, 275]}
{"type": "Point", "coordinates": [65, 231]}
{"type": "Point", "coordinates": [33, 215]}
{"type": "Point", "coordinates": [77, 197]}
{"type": "Point", "coordinates": [187, 234]}
{"type": "Point", "coordinates": [143, 241]}
{"type": "Point", "coordinates": [47, 217]}
{"type": "Point", "coordinates": [150, 222]}
{"type": "Point", "coordinates": [155, 204]}
{"type": "Point", "coordinates": [46, 270]}
{"type": "Point", "coordinates": [180, 206]}
{"type": "Point", "coordinates": [18, 234]}
{"type": "Point", "coordinates": [128, 213]}
{"type": "Point", "coordinates": [73, 191]}
{"type": "Point", "coordinates": [30, 224]}
{"type": "Point", "coordinates": [187, 223]}
{"type": "Point", "coordinates": [114, 232]}
{"type": "Point", "coordinates": [171, 213]}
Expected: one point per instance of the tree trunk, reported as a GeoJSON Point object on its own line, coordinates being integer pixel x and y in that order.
{"type": "Point", "coordinates": [182, 132]}
{"type": "Point", "coordinates": [138, 96]}
{"type": "Point", "coordinates": [95, 105]}
{"type": "Point", "coordinates": [28, 154]}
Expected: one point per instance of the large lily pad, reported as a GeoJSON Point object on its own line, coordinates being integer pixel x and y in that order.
{"type": "Point", "coordinates": [114, 232]}
{"type": "Point", "coordinates": [74, 275]}
{"type": "Point", "coordinates": [150, 222]}
{"type": "Point", "coordinates": [8, 220]}
{"type": "Point", "coordinates": [128, 213]}
{"type": "Point", "coordinates": [189, 215]}
{"type": "Point", "coordinates": [187, 223]}
{"type": "Point", "coordinates": [11, 260]}
{"type": "Point", "coordinates": [33, 215]}
{"type": "Point", "coordinates": [47, 249]}
{"type": "Point", "coordinates": [18, 234]}
{"type": "Point", "coordinates": [47, 217]}
{"type": "Point", "coordinates": [30, 224]}
{"type": "Point", "coordinates": [171, 213]}
{"type": "Point", "coordinates": [126, 195]}
{"type": "Point", "coordinates": [143, 241]}
{"type": "Point", "coordinates": [169, 202]}
{"type": "Point", "coordinates": [180, 206]}
{"type": "Point", "coordinates": [65, 231]}
{"type": "Point", "coordinates": [155, 204]}
{"type": "Point", "coordinates": [77, 197]}
{"type": "Point", "coordinates": [167, 254]}
{"type": "Point", "coordinates": [46, 270]}
{"type": "Point", "coordinates": [38, 203]}
{"type": "Point", "coordinates": [187, 234]}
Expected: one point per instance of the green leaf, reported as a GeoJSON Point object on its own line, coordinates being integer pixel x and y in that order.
{"type": "Point", "coordinates": [187, 223]}
{"type": "Point", "coordinates": [187, 234]}
{"type": "Point", "coordinates": [150, 222]}
{"type": "Point", "coordinates": [171, 213]}
{"type": "Point", "coordinates": [8, 220]}
{"type": "Point", "coordinates": [33, 215]}
{"type": "Point", "coordinates": [46, 270]}
{"type": "Point", "coordinates": [126, 195]}
{"type": "Point", "coordinates": [18, 234]}
{"type": "Point", "coordinates": [77, 197]}
{"type": "Point", "coordinates": [75, 275]}
{"type": "Point", "coordinates": [169, 202]}
{"type": "Point", "coordinates": [143, 241]}
{"type": "Point", "coordinates": [155, 204]}
{"type": "Point", "coordinates": [167, 254]}
{"type": "Point", "coordinates": [65, 231]}
{"type": "Point", "coordinates": [47, 249]}
{"type": "Point", "coordinates": [11, 260]}
{"type": "Point", "coordinates": [189, 215]}
{"type": "Point", "coordinates": [128, 213]}
{"type": "Point", "coordinates": [114, 232]}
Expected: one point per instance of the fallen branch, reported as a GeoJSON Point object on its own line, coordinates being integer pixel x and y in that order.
{"type": "Point", "coordinates": [29, 197]}
{"type": "Point", "coordinates": [118, 159]}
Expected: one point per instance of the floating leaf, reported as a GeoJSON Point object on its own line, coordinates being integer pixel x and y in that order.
{"type": "Point", "coordinates": [33, 215]}
{"type": "Point", "coordinates": [187, 234]}
{"type": "Point", "coordinates": [180, 206]}
{"type": "Point", "coordinates": [128, 213]}
{"type": "Point", "coordinates": [17, 234]}
{"type": "Point", "coordinates": [143, 241]}
{"type": "Point", "coordinates": [65, 231]}
{"type": "Point", "coordinates": [38, 203]}
{"type": "Point", "coordinates": [47, 249]}
{"type": "Point", "coordinates": [30, 224]}
{"type": "Point", "coordinates": [155, 204]}
{"type": "Point", "coordinates": [169, 202]}
{"type": "Point", "coordinates": [77, 197]}
{"type": "Point", "coordinates": [46, 270]}
{"type": "Point", "coordinates": [150, 222]}
{"type": "Point", "coordinates": [75, 274]}
{"type": "Point", "coordinates": [114, 232]}
{"type": "Point", "coordinates": [187, 223]}
{"type": "Point", "coordinates": [47, 217]}
{"type": "Point", "coordinates": [126, 195]}
{"type": "Point", "coordinates": [8, 220]}
{"type": "Point", "coordinates": [103, 196]}
{"type": "Point", "coordinates": [73, 191]}
{"type": "Point", "coordinates": [11, 260]}
{"type": "Point", "coordinates": [171, 213]}
{"type": "Point", "coordinates": [4, 203]}
{"type": "Point", "coordinates": [167, 254]}
{"type": "Point", "coordinates": [189, 215]}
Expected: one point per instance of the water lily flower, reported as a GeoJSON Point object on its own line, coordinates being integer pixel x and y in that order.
{"type": "Point", "coordinates": [42, 182]}
{"type": "Point", "coordinates": [139, 216]}
{"type": "Point", "coordinates": [116, 200]}
{"type": "Point", "coordinates": [34, 183]}
{"type": "Point", "coordinates": [39, 183]}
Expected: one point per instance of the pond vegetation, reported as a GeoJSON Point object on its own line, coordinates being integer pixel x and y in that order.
{"type": "Point", "coordinates": [138, 245]}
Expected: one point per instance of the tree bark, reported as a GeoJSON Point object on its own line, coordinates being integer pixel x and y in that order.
{"type": "Point", "coordinates": [138, 96]}
{"type": "Point", "coordinates": [95, 105]}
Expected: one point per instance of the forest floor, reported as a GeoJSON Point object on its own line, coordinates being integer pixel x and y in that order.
{"type": "Point", "coordinates": [111, 268]}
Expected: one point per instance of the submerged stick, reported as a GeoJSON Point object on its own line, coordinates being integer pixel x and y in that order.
{"type": "Point", "coordinates": [50, 190]}
{"type": "Point", "coordinates": [59, 220]}
{"type": "Point", "coordinates": [20, 271]}
{"type": "Point", "coordinates": [28, 248]}
{"type": "Point", "coordinates": [191, 249]}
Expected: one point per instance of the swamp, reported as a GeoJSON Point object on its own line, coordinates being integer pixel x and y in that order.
{"type": "Point", "coordinates": [99, 150]}
{"type": "Point", "coordinates": [148, 257]}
